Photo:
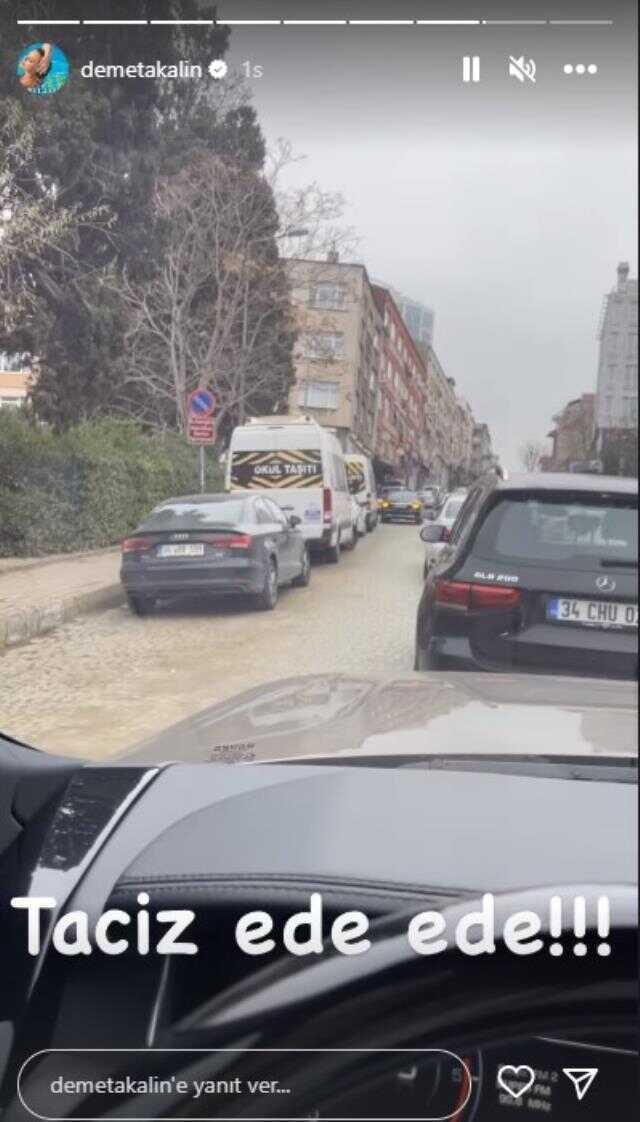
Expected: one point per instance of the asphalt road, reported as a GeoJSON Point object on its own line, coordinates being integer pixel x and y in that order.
{"type": "Point", "coordinates": [102, 682]}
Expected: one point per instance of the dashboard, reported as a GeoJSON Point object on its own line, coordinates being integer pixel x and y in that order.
{"type": "Point", "coordinates": [221, 839]}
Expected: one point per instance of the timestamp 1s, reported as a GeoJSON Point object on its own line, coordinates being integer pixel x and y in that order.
{"type": "Point", "coordinates": [251, 69]}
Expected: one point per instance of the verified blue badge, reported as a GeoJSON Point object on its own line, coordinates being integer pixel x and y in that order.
{"type": "Point", "coordinates": [43, 69]}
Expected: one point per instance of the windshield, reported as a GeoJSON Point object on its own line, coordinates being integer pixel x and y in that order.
{"type": "Point", "coordinates": [451, 509]}
{"type": "Point", "coordinates": [285, 291]}
{"type": "Point", "coordinates": [356, 477]}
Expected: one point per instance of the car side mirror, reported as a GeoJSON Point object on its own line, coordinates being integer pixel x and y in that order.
{"type": "Point", "coordinates": [432, 534]}
{"type": "Point", "coordinates": [294, 521]}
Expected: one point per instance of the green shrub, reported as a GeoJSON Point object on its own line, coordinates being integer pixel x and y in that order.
{"type": "Point", "coordinates": [86, 487]}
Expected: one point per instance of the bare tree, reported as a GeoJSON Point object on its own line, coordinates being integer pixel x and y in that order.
{"type": "Point", "coordinates": [216, 314]}
{"type": "Point", "coordinates": [530, 455]}
{"type": "Point", "coordinates": [309, 215]}
{"type": "Point", "coordinates": [220, 312]}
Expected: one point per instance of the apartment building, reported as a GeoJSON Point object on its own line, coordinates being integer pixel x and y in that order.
{"type": "Point", "coordinates": [418, 317]}
{"type": "Point", "coordinates": [616, 407]}
{"type": "Point", "coordinates": [337, 353]}
{"type": "Point", "coordinates": [483, 458]}
{"type": "Point", "coordinates": [617, 385]}
{"type": "Point", "coordinates": [462, 441]}
{"type": "Point", "coordinates": [450, 448]}
{"type": "Point", "coordinates": [573, 434]}
{"type": "Point", "coordinates": [359, 370]}
{"type": "Point", "coordinates": [402, 445]}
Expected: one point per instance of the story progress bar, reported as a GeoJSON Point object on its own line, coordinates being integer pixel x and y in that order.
{"type": "Point", "coordinates": [315, 22]}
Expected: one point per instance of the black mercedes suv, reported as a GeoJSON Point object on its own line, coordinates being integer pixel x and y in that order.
{"type": "Point", "coordinates": [539, 573]}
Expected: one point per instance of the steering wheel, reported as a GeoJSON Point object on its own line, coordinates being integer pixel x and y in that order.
{"type": "Point", "coordinates": [394, 998]}
{"type": "Point", "coordinates": [321, 1013]}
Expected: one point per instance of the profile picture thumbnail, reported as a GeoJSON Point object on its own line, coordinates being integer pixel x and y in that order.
{"type": "Point", "coordinates": [43, 68]}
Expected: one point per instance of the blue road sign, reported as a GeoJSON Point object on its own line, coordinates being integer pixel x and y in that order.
{"type": "Point", "coordinates": [202, 403]}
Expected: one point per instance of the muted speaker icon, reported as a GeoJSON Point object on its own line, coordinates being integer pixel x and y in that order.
{"type": "Point", "coordinates": [522, 69]}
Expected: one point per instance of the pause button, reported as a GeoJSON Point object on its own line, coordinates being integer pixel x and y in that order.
{"type": "Point", "coordinates": [471, 68]}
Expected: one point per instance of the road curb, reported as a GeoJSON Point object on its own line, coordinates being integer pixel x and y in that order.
{"type": "Point", "coordinates": [23, 624]}
{"type": "Point", "coordinates": [20, 564]}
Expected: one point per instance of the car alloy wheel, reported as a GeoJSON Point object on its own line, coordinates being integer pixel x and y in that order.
{"type": "Point", "coordinates": [268, 598]}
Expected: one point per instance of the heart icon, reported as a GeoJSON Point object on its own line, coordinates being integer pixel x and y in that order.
{"type": "Point", "coordinates": [521, 1076]}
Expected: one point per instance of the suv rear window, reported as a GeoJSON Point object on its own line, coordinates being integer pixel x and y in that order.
{"type": "Point", "coordinates": [584, 531]}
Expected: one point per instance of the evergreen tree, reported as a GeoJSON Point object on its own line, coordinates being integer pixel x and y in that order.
{"type": "Point", "coordinates": [104, 143]}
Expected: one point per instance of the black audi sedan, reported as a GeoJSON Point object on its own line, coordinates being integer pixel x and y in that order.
{"type": "Point", "coordinates": [213, 545]}
{"type": "Point", "coordinates": [540, 573]}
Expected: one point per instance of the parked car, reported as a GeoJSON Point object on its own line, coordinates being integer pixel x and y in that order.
{"type": "Point", "coordinates": [444, 521]}
{"type": "Point", "coordinates": [302, 467]}
{"type": "Point", "coordinates": [540, 573]}
{"type": "Point", "coordinates": [362, 484]}
{"type": "Point", "coordinates": [358, 520]}
{"type": "Point", "coordinates": [214, 544]}
{"type": "Point", "coordinates": [431, 499]}
{"type": "Point", "coordinates": [401, 506]}
{"type": "Point", "coordinates": [385, 489]}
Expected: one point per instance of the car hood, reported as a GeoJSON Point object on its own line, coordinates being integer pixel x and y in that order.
{"type": "Point", "coordinates": [417, 715]}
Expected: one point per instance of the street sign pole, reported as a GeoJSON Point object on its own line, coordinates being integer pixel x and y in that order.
{"type": "Point", "coordinates": [201, 468]}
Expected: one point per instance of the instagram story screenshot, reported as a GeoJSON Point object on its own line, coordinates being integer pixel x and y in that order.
{"type": "Point", "coordinates": [318, 560]}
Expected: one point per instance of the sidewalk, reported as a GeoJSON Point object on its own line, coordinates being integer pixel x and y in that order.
{"type": "Point", "coordinates": [39, 593]}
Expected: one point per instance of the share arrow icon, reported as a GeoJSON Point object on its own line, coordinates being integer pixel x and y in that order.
{"type": "Point", "coordinates": [582, 1078]}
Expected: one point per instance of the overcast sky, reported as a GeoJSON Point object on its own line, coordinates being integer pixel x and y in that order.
{"type": "Point", "coordinates": [506, 206]}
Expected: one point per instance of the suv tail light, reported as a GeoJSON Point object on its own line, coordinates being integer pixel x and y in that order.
{"type": "Point", "coordinates": [136, 545]}
{"type": "Point", "coordinates": [327, 504]}
{"type": "Point", "coordinates": [494, 596]}
{"type": "Point", "coordinates": [455, 593]}
{"type": "Point", "coordinates": [462, 594]}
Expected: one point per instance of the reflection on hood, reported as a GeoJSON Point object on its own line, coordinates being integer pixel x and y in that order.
{"type": "Point", "coordinates": [335, 714]}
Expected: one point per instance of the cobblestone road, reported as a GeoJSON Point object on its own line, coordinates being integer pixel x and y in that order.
{"type": "Point", "coordinates": [106, 680]}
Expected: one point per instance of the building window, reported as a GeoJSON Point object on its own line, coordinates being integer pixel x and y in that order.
{"type": "Point", "coordinates": [319, 395]}
{"type": "Point", "coordinates": [323, 345]}
{"type": "Point", "coordinates": [328, 296]}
